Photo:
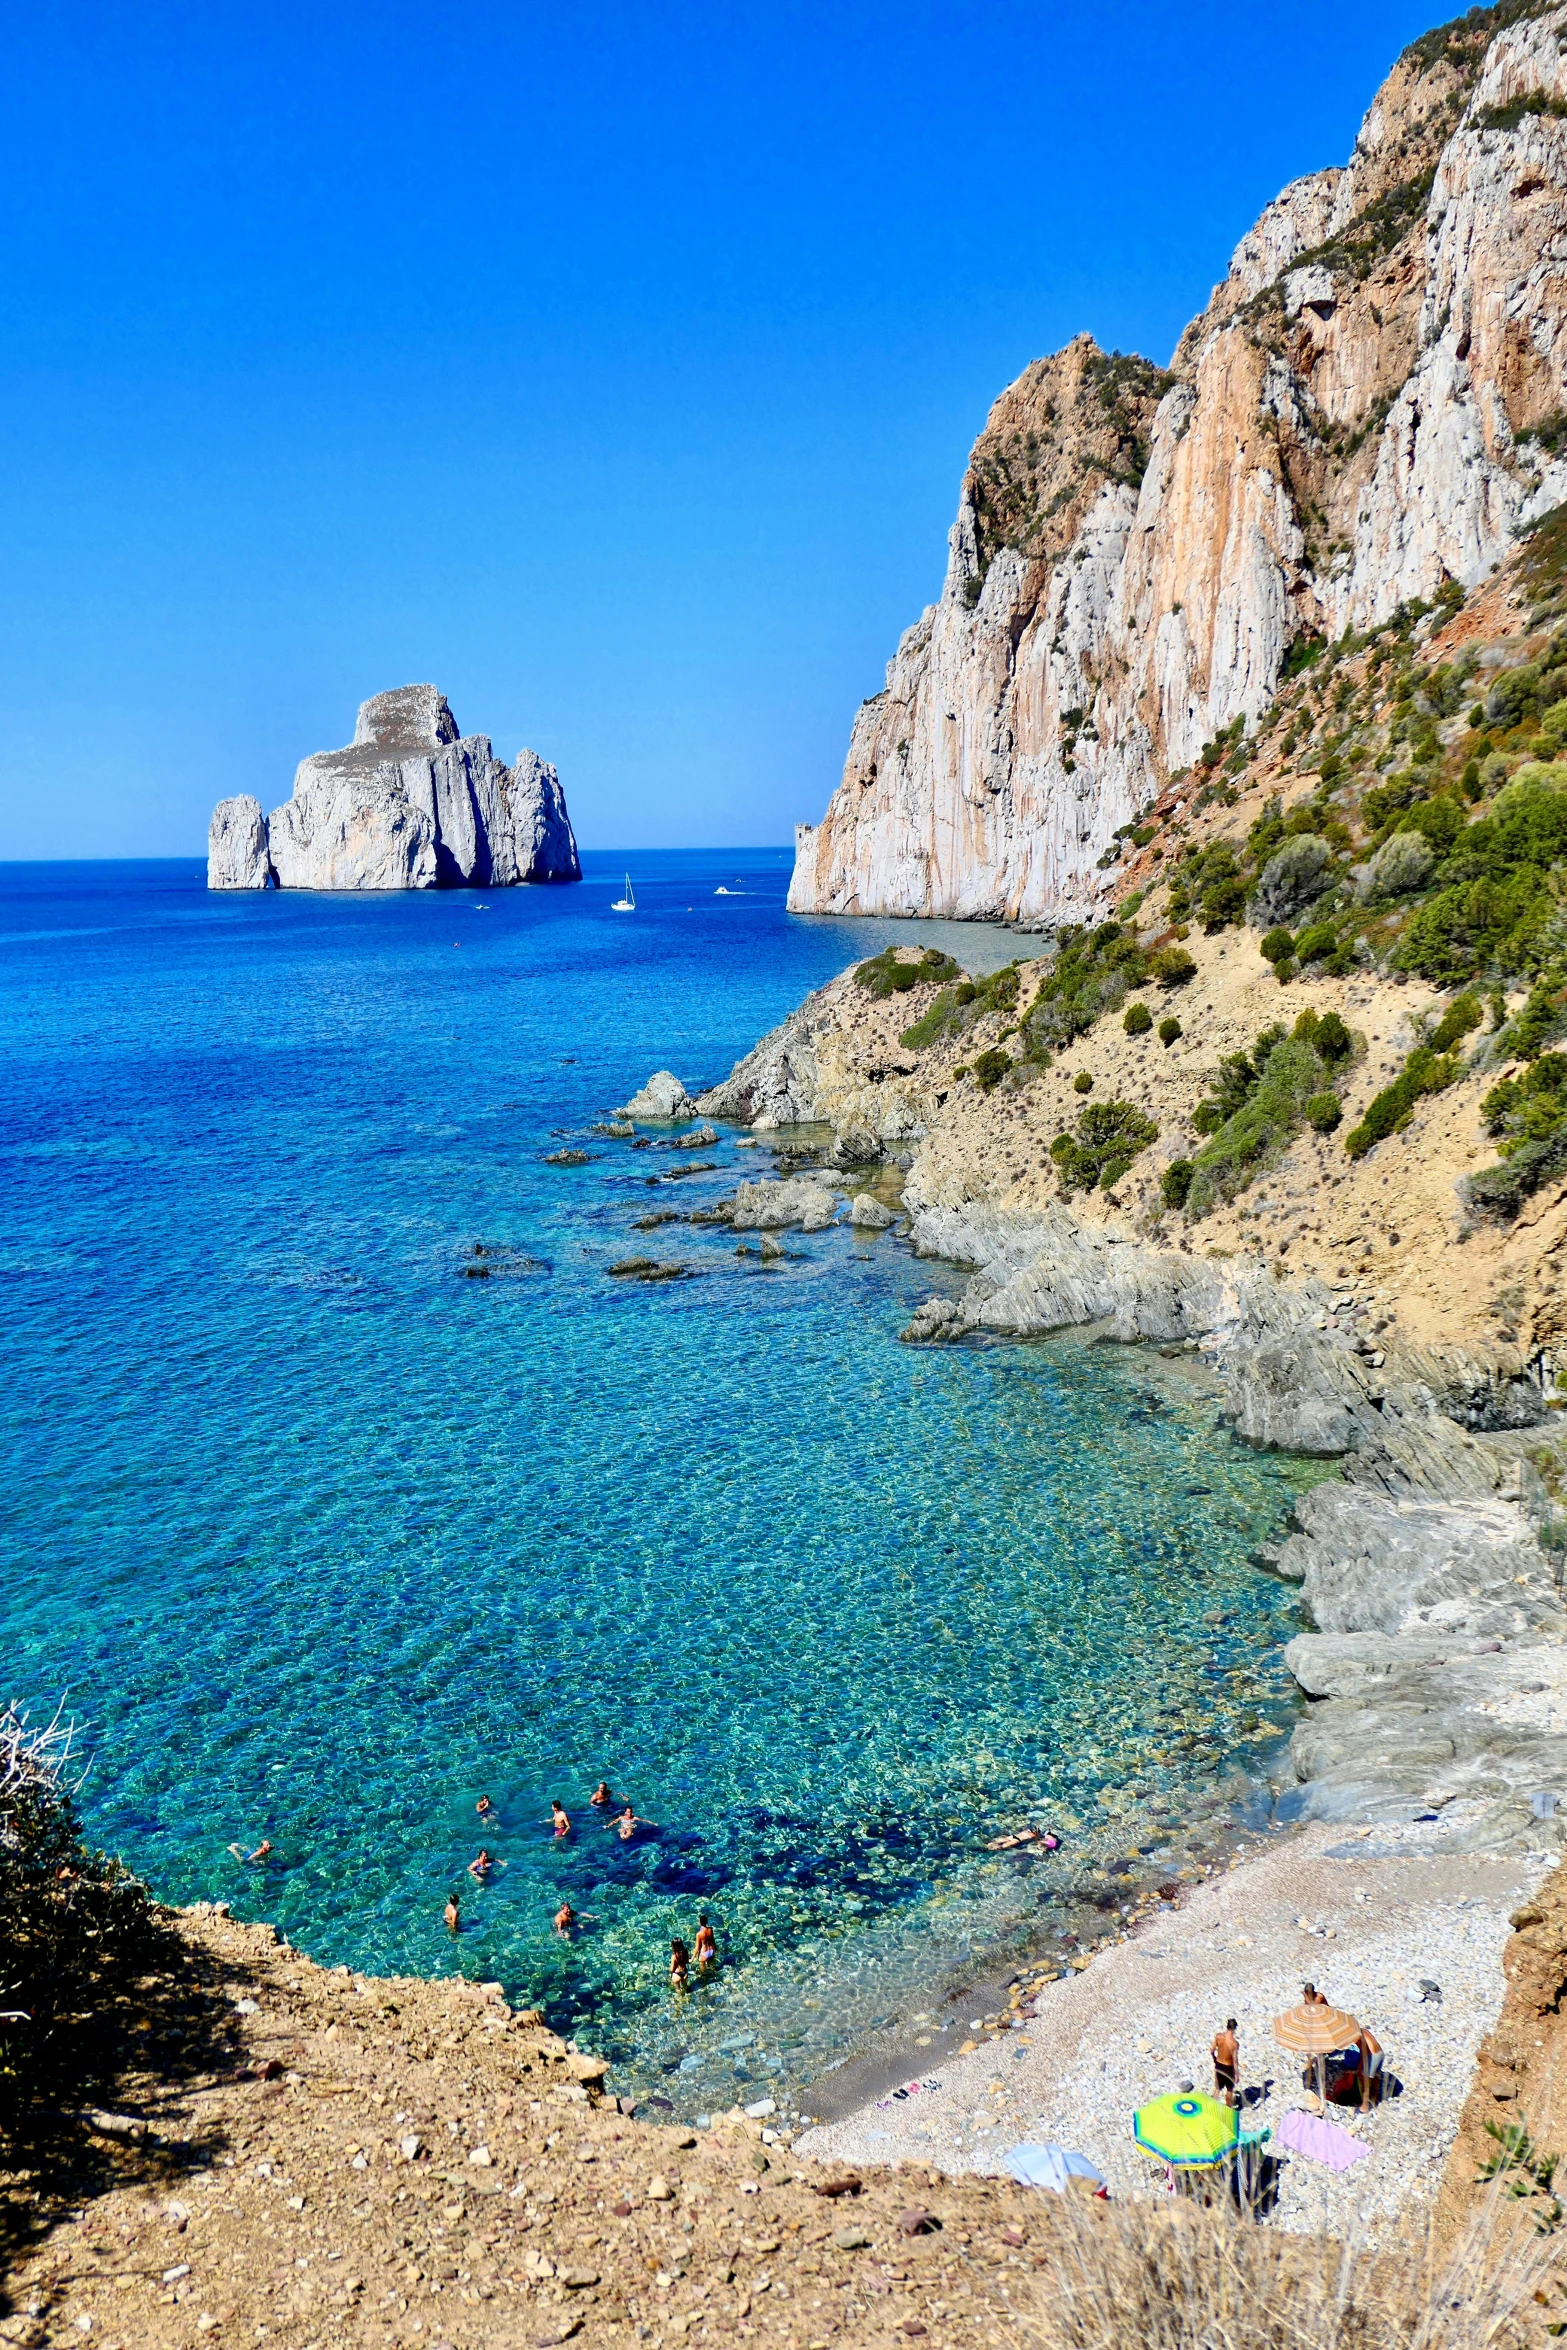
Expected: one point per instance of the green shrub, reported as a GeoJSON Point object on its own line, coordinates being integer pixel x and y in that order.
{"type": "Point", "coordinates": [1324, 1111]}
{"type": "Point", "coordinates": [1284, 971]}
{"type": "Point", "coordinates": [1281, 1075]}
{"type": "Point", "coordinates": [1093, 973]}
{"type": "Point", "coordinates": [1176, 1182]}
{"type": "Point", "coordinates": [1138, 1020]}
{"type": "Point", "coordinates": [1424, 1072]}
{"type": "Point", "coordinates": [990, 1067]}
{"type": "Point", "coordinates": [1462, 1015]}
{"type": "Point", "coordinates": [1083, 1082]}
{"type": "Point", "coordinates": [886, 974]}
{"type": "Point", "coordinates": [1169, 1030]}
{"type": "Point", "coordinates": [1313, 944]}
{"type": "Point", "coordinates": [1328, 1034]}
{"type": "Point", "coordinates": [931, 1024]}
{"type": "Point", "coordinates": [1277, 946]}
{"type": "Point", "coordinates": [1109, 1136]}
{"type": "Point", "coordinates": [1540, 1021]}
{"type": "Point", "coordinates": [1172, 967]}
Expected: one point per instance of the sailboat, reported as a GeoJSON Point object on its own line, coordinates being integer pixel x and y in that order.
{"type": "Point", "coordinates": [627, 904]}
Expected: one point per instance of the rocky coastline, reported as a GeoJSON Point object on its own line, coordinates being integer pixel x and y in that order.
{"type": "Point", "coordinates": [1434, 1664]}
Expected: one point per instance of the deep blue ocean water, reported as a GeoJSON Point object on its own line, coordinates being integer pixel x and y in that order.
{"type": "Point", "coordinates": [323, 1538]}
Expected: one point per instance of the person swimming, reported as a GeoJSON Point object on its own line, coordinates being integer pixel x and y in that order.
{"type": "Point", "coordinates": [601, 1797]}
{"type": "Point", "coordinates": [706, 1944]}
{"type": "Point", "coordinates": [565, 1919]}
{"type": "Point", "coordinates": [453, 1914]}
{"type": "Point", "coordinates": [484, 1807]}
{"type": "Point", "coordinates": [560, 1817]}
{"type": "Point", "coordinates": [628, 1824]}
{"type": "Point", "coordinates": [679, 1965]}
{"type": "Point", "coordinates": [482, 1868]}
{"type": "Point", "coordinates": [257, 1859]}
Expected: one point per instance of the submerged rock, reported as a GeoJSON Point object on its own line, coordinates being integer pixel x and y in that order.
{"type": "Point", "coordinates": [408, 804]}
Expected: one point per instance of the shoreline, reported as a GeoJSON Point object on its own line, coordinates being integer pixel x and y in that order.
{"type": "Point", "coordinates": [1368, 1917]}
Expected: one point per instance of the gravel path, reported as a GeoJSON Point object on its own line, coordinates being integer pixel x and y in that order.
{"type": "Point", "coordinates": [1363, 1922]}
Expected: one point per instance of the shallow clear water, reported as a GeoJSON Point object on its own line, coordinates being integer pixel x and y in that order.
{"type": "Point", "coordinates": [325, 1538]}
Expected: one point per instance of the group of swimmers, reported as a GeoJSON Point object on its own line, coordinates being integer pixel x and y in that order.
{"type": "Point", "coordinates": [626, 1825]}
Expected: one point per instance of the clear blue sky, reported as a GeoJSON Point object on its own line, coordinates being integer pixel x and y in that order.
{"type": "Point", "coordinates": [612, 366]}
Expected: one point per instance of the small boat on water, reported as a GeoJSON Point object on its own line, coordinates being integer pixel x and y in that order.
{"type": "Point", "coordinates": [627, 904]}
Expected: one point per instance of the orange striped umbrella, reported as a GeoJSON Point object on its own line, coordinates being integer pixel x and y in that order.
{"type": "Point", "coordinates": [1315, 2029]}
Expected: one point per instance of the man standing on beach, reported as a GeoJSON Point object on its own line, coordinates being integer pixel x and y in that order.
{"type": "Point", "coordinates": [1226, 2062]}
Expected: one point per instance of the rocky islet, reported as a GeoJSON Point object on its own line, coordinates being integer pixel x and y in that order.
{"type": "Point", "coordinates": [410, 803]}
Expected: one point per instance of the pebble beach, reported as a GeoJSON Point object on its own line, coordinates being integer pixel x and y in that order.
{"type": "Point", "coordinates": [1368, 1915]}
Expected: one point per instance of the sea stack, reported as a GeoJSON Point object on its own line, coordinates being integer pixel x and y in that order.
{"type": "Point", "coordinates": [409, 804]}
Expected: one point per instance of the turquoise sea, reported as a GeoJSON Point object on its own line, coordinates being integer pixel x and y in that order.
{"type": "Point", "coordinates": [323, 1538]}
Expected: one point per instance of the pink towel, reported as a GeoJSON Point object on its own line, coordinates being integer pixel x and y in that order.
{"type": "Point", "coordinates": [1319, 2141]}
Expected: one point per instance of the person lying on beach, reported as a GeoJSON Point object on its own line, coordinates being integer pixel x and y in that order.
{"type": "Point", "coordinates": [706, 1944]}
{"type": "Point", "coordinates": [565, 1919]}
{"type": "Point", "coordinates": [483, 1867]}
{"type": "Point", "coordinates": [452, 1914]}
{"type": "Point", "coordinates": [1226, 2062]}
{"type": "Point", "coordinates": [601, 1796]}
{"type": "Point", "coordinates": [258, 1858]}
{"type": "Point", "coordinates": [484, 1807]}
{"type": "Point", "coordinates": [679, 1965]}
{"type": "Point", "coordinates": [1370, 2048]}
{"type": "Point", "coordinates": [558, 1815]}
{"type": "Point", "coordinates": [628, 1824]}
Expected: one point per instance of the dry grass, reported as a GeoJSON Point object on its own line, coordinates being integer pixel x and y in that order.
{"type": "Point", "coordinates": [1131, 2277]}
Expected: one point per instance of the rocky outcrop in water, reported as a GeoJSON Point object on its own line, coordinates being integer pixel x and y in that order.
{"type": "Point", "coordinates": [1367, 408]}
{"type": "Point", "coordinates": [409, 804]}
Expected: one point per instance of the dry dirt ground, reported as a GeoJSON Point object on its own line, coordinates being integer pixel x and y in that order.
{"type": "Point", "coordinates": [324, 2159]}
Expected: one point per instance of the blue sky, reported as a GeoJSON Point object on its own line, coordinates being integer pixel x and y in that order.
{"type": "Point", "coordinates": [612, 366]}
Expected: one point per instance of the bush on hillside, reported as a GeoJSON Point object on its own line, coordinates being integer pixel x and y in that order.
{"type": "Point", "coordinates": [1093, 973]}
{"type": "Point", "coordinates": [1138, 1020]}
{"type": "Point", "coordinates": [1108, 1138]}
{"type": "Point", "coordinates": [887, 973]}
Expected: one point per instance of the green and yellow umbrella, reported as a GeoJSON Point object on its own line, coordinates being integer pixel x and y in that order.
{"type": "Point", "coordinates": [1189, 2131]}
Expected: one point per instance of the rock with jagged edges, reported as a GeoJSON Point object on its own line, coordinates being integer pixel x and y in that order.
{"type": "Point", "coordinates": [409, 804]}
{"type": "Point", "coordinates": [1364, 411]}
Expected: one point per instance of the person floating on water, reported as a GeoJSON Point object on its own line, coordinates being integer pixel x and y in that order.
{"type": "Point", "coordinates": [601, 1797]}
{"type": "Point", "coordinates": [679, 1965]}
{"type": "Point", "coordinates": [257, 1859]}
{"type": "Point", "coordinates": [559, 1815]}
{"type": "Point", "coordinates": [628, 1824]}
{"type": "Point", "coordinates": [565, 1919]}
{"type": "Point", "coordinates": [482, 1868]}
{"type": "Point", "coordinates": [453, 1914]}
{"type": "Point", "coordinates": [706, 1944]}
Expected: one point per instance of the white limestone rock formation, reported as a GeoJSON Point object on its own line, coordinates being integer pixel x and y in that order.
{"type": "Point", "coordinates": [1366, 409]}
{"type": "Point", "coordinates": [237, 854]}
{"type": "Point", "coordinates": [663, 1100]}
{"type": "Point", "coordinates": [408, 804]}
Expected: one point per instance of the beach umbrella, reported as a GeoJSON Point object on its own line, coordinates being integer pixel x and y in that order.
{"type": "Point", "coordinates": [1049, 2166]}
{"type": "Point", "coordinates": [1190, 2132]}
{"type": "Point", "coordinates": [1314, 2029]}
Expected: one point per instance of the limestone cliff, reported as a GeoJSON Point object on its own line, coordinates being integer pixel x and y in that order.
{"type": "Point", "coordinates": [1369, 407]}
{"type": "Point", "coordinates": [408, 804]}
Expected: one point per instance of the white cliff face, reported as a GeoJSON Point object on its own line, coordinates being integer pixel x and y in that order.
{"type": "Point", "coordinates": [408, 804]}
{"type": "Point", "coordinates": [1345, 428]}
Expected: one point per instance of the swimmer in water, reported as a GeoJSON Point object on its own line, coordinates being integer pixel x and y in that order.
{"type": "Point", "coordinates": [453, 1915]}
{"type": "Point", "coordinates": [257, 1859]}
{"type": "Point", "coordinates": [484, 1807]}
{"type": "Point", "coordinates": [565, 1919]}
{"type": "Point", "coordinates": [602, 1797]}
{"type": "Point", "coordinates": [483, 1867]}
{"type": "Point", "coordinates": [627, 1824]}
{"type": "Point", "coordinates": [559, 1816]}
{"type": "Point", "coordinates": [706, 1944]}
{"type": "Point", "coordinates": [679, 1965]}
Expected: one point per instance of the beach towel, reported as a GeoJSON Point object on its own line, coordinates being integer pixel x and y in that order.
{"type": "Point", "coordinates": [1048, 2166]}
{"type": "Point", "coordinates": [1319, 2141]}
